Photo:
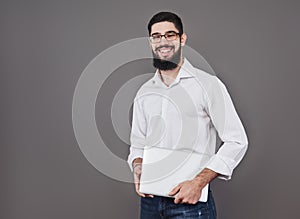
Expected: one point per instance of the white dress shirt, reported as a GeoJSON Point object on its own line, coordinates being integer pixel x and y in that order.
{"type": "Point", "coordinates": [188, 114]}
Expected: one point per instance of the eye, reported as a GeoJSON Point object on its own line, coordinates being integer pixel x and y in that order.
{"type": "Point", "coordinates": [172, 34]}
{"type": "Point", "coordinates": [156, 36]}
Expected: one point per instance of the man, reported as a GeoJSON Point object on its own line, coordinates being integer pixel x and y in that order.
{"type": "Point", "coordinates": [215, 113]}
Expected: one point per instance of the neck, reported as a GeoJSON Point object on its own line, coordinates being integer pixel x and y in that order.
{"type": "Point", "coordinates": [168, 76]}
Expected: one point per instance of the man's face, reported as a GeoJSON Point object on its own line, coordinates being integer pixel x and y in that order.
{"type": "Point", "coordinates": [165, 49]}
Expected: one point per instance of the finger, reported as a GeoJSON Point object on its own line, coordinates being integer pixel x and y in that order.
{"type": "Point", "coordinates": [137, 189]}
{"type": "Point", "coordinates": [194, 202]}
{"type": "Point", "coordinates": [189, 200]}
{"type": "Point", "coordinates": [175, 190]}
{"type": "Point", "coordinates": [178, 200]}
{"type": "Point", "coordinates": [149, 195]}
{"type": "Point", "coordinates": [184, 201]}
{"type": "Point", "coordinates": [141, 194]}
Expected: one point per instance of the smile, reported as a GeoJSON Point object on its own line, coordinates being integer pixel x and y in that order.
{"type": "Point", "coordinates": [165, 50]}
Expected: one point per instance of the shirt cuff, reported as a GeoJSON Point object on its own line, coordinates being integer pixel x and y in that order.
{"type": "Point", "coordinates": [134, 153]}
{"type": "Point", "coordinates": [222, 165]}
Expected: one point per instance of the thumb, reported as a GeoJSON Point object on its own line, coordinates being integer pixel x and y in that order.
{"type": "Point", "coordinates": [175, 190]}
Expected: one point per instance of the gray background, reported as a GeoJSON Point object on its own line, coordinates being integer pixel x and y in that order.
{"type": "Point", "coordinates": [45, 45]}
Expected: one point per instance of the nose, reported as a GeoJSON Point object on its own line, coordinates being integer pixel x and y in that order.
{"type": "Point", "coordinates": [163, 38]}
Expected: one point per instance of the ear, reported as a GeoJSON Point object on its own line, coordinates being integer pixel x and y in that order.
{"type": "Point", "coordinates": [183, 39]}
{"type": "Point", "coordinates": [150, 44]}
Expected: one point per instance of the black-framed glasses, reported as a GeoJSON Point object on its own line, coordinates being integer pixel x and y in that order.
{"type": "Point", "coordinates": [170, 36]}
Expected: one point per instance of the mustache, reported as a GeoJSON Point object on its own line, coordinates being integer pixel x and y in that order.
{"type": "Point", "coordinates": [166, 46]}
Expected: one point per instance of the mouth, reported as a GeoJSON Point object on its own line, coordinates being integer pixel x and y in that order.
{"type": "Point", "coordinates": [165, 51]}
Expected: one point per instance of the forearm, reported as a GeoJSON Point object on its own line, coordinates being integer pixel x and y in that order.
{"type": "Point", "coordinates": [205, 176]}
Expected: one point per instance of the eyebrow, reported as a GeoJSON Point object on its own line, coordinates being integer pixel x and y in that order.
{"type": "Point", "coordinates": [169, 31]}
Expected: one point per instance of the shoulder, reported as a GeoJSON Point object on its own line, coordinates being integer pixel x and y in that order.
{"type": "Point", "coordinates": [206, 80]}
{"type": "Point", "coordinates": [212, 87]}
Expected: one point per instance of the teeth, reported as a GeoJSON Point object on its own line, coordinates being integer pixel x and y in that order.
{"type": "Point", "coordinates": [165, 50]}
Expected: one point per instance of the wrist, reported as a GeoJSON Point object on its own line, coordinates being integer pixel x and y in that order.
{"type": "Point", "coordinates": [136, 162]}
{"type": "Point", "coordinates": [205, 177]}
{"type": "Point", "coordinates": [200, 181]}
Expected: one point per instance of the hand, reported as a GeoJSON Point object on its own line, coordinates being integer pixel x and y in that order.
{"type": "Point", "coordinates": [137, 171]}
{"type": "Point", "coordinates": [188, 192]}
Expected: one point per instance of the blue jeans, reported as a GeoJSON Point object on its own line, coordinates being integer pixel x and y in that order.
{"type": "Point", "coordinates": [165, 208]}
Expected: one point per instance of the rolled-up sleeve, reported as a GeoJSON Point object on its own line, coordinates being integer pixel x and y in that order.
{"type": "Point", "coordinates": [230, 130]}
{"type": "Point", "coordinates": [138, 132]}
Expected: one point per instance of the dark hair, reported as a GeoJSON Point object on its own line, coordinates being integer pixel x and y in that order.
{"type": "Point", "coordinates": [166, 16]}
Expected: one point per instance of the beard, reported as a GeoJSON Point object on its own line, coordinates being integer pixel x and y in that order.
{"type": "Point", "coordinates": [170, 64]}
